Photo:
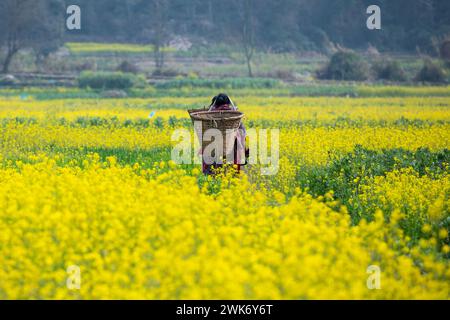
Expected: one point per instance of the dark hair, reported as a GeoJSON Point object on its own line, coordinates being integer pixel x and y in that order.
{"type": "Point", "coordinates": [220, 100]}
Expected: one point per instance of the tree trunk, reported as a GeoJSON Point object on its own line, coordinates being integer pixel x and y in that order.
{"type": "Point", "coordinates": [248, 35]}
{"type": "Point", "coordinates": [160, 26]}
{"type": "Point", "coordinates": [249, 66]}
{"type": "Point", "coordinates": [11, 49]}
{"type": "Point", "coordinates": [7, 61]}
{"type": "Point", "coordinates": [159, 57]}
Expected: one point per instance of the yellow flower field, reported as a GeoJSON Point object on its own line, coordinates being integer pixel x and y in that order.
{"type": "Point", "coordinates": [89, 183]}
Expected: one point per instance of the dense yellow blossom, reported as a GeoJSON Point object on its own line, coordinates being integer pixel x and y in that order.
{"type": "Point", "coordinates": [87, 183]}
{"type": "Point", "coordinates": [424, 196]}
{"type": "Point", "coordinates": [275, 109]}
{"type": "Point", "coordinates": [135, 234]}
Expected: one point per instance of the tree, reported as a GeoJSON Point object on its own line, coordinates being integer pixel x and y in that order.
{"type": "Point", "coordinates": [15, 23]}
{"type": "Point", "coordinates": [345, 65]}
{"type": "Point", "coordinates": [159, 17]}
{"type": "Point", "coordinates": [27, 24]}
{"type": "Point", "coordinates": [48, 34]}
{"type": "Point", "coordinates": [246, 32]}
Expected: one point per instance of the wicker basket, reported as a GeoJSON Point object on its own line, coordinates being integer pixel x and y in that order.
{"type": "Point", "coordinates": [190, 111]}
{"type": "Point", "coordinates": [227, 122]}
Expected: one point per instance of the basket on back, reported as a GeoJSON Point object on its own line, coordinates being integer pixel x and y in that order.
{"type": "Point", "coordinates": [191, 111]}
{"type": "Point", "coordinates": [227, 122]}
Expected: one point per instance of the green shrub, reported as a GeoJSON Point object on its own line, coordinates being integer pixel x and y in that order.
{"type": "Point", "coordinates": [128, 67]}
{"type": "Point", "coordinates": [167, 72]}
{"type": "Point", "coordinates": [344, 174]}
{"type": "Point", "coordinates": [345, 65]}
{"type": "Point", "coordinates": [231, 83]}
{"type": "Point", "coordinates": [389, 70]}
{"type": "Point", "coordinates": [321, 90]}
{"type": "Point", "coordinates": [431, 72]}
{"type": "Point", "coordinates": [159, 122]}
{"type": "Point", "coordinates": [109, 80]}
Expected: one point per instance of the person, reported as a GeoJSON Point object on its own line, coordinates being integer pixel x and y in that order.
{"type": "Point", "coordinates": [222, 102]}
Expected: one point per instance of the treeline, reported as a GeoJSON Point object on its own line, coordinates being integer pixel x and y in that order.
{"type": "Point", "coordinates": [276, 25]}
{"type": "Point", "coordinates": [248, 25]}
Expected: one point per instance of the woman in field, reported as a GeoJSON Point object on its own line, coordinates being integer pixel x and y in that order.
{"type": "Point", "coordinates": [222, 102]}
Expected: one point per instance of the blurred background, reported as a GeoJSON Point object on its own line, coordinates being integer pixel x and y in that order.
{"type": "Point", "coordinates": [296, 41]}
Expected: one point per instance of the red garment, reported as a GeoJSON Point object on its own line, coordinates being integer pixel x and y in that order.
{"type": "Point", "coordinates": [222, 107]}
{"type": "Point", "coordinates": [208, 168]}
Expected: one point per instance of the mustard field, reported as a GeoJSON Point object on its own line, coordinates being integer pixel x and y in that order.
{"type": "Point", "coordinates": [362, 183]}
